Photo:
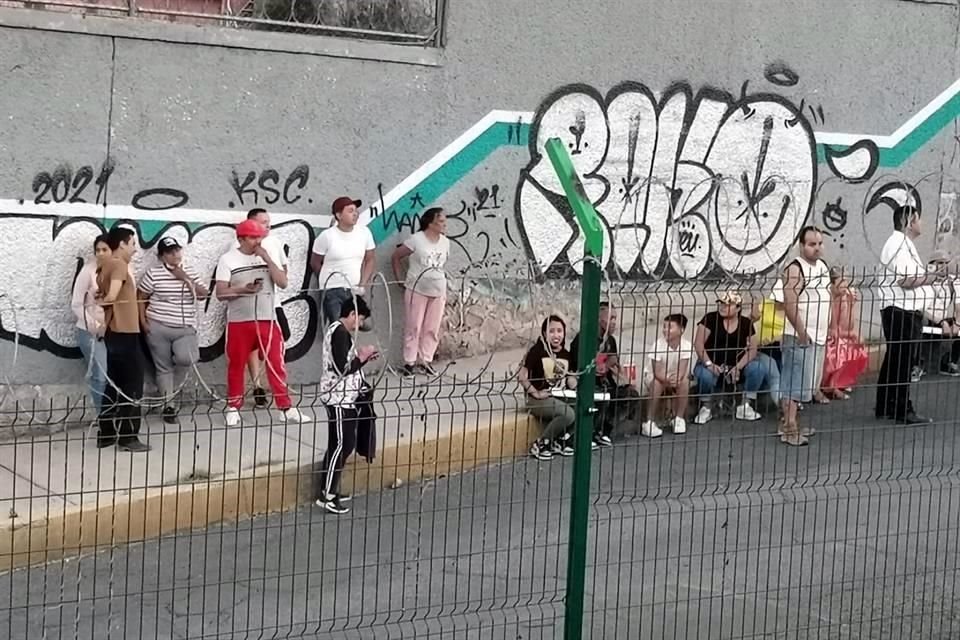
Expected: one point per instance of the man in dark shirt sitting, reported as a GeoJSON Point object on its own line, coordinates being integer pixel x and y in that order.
{"type": "Point", "coordinates": [624, 398]}
{"type": "Point", "coordinates": [726, 349]}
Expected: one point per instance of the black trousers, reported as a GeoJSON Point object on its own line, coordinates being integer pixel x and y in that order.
{"type": "Point", "coordinates": [624, 404]}
{"type": "Point", "coordinates": [120, 413]}
{"type": "Point", "coordinates": [341, 442]}
{"type": "Point", "coordinates": [902, 330]}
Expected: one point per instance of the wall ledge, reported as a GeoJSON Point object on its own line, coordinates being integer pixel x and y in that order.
{"type": "Point", "coordinates": [158, 31]}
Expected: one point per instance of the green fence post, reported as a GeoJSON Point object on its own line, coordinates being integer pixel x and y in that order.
{"type": "Point", "coordinates": [589, 334]}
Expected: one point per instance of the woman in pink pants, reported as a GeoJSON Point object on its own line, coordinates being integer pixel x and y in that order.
{"type": "Point", "coordinates": [425, 290]}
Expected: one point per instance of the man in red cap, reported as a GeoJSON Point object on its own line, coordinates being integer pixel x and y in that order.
{"type": "Point", "coordinates": [344, 259]}
{"type": "Point", "coordinates": [245, 279]}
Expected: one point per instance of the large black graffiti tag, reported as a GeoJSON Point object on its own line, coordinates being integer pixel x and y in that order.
{"type": "Point", "coordinates": [738, 174]}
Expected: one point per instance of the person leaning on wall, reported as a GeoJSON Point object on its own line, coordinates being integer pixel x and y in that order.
{"type": "Point", "coordinates": [425, 290]}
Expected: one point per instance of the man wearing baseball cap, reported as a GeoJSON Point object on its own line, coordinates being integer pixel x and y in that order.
{"type": "Point", "coordinates": [169, 292]}
{"type": "Point", "coordinates": [274, 247]}
{"type": "Point", "coordinates": [344, 259]}
{"type": "Point", "coordinates": [726, 348]}
{"type": "Point", "coordinates": [245, 279]}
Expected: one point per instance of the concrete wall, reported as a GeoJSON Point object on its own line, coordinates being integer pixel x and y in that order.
{"type": "Point", "coordinates": [708, 134]}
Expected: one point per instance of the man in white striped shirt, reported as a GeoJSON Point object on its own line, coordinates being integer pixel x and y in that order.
{"type": "Point", "coordinates": [170, 291]}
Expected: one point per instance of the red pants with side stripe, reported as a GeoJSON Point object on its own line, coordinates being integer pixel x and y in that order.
{"type": "Point", "coordinates": [263, 336]}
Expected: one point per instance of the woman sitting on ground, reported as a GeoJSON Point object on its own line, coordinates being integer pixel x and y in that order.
{"type": "Point", "coordinates": [545, 369]}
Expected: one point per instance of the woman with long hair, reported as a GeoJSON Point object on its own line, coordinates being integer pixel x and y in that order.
{"type": "Point", "coordinates": [425, 290]}
{"type": "Point", "coordinates": [90, 321]}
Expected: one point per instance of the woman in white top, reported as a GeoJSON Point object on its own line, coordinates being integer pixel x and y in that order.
{"type": "Point", "coordinates": [90, 321]}
{"type": "Point", "coordinates": [425, 289]}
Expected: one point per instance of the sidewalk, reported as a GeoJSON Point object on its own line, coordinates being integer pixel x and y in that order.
{"type": "Point", "coordinates": [61, 495]}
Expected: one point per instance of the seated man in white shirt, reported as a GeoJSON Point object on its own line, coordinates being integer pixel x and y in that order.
{"type": "Point", "coordinates": [940, 312]}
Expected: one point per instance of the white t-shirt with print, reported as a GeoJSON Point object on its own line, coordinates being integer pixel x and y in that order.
{"type": "Point", "coordinates": [343, 254]}
{"type": "Point", "coordinates": [274, 249]}
{"type": "Point", "coordinates": [670, 357]}
{"type": "Point", "coordinates": [425, 273]}
{"type": "Point", "coordinates": [239, 269]}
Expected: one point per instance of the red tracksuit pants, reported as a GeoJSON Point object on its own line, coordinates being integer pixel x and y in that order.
{"type": "Point", "coordinates": [265, 337]}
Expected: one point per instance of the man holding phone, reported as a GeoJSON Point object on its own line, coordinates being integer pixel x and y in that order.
{"type": "Point", "coordinates": [246, 278]}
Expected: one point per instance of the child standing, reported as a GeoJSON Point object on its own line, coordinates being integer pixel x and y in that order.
{"type": "Point", "coordinates": [670, 362]}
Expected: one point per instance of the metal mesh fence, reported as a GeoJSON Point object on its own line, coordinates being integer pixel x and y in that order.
{"type": "Point", "coordinates": [455, 531]}
{"type": "Point", "coordinates": [413, 22]}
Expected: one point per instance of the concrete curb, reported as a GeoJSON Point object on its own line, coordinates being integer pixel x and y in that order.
{"type": "Point", "coordinates": [137, 515]}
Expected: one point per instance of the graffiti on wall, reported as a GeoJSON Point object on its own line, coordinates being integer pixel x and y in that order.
{"type": "Point", "coordinates": [50, 251]}
{"type": "Point", "coordinates": [681, 181]}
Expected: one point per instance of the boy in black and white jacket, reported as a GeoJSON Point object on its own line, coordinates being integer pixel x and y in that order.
{"type": "Point", "coordinates": [341, 384]}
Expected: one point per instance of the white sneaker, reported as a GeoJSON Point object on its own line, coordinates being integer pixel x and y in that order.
{"type": "Point", "coordinates": [679, 425]}
{"type": "Point", "coordinates": [650, 429]}
{"type": "Point", "coordinates": [233, 417]}
{"type": "Point", "coordinates": [295, 415]}
{"type": "Point", "coordinates": [746, 412]}
{"type": "Point", "coordinates": [704, 416]}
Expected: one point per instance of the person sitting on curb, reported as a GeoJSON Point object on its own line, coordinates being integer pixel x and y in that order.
{"type": "Point", "coordinates": [546, 366]}
{"type": "Point", "coordinates": [670, 363]}
{"type": "Point", "coordinates": [624, 401]}
{"type": "Point", "coordinates": [941, 312]}
{"type": "Point", "coordinates": [726, 349]}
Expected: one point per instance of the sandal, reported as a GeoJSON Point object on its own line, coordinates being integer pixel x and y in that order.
{"type": "Point", "coordinates": [791, 435]}
{"type": "Point", "coordinates": [820, 398]}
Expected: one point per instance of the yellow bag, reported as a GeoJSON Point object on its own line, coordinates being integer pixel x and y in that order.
{"type": "Point", "coordinates": [772, 322]}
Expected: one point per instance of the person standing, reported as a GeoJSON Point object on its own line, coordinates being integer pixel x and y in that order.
{"type": "Point", "coordinates": [344, 259]}
{"type": "Point", "coordinates": [120, 416]}
{"type": "Point", "coordinates": [903, 299]}
{"type": "Point", "coordinates": [169, 292]}
{"type": "Point", "coordinates": [276, 251]}
{"type": "Point", "coordinates": [246, 277]}
{"type": "Point", "coordinates": [342, 384]}
{"type": "Point", "coordinates": [806, 306]}
{"type": "Point", "coordinates": [425, 290]}
{"type": "Point", "coordinates": [90, 321]}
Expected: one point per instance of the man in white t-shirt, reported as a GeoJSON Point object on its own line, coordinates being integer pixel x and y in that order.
{"type": "Point", "coordinates": [245, 278]}
{"type": "Point", "coordinates": [670, 361]}
{"type": "Point", "coordinates": [344, 259]}
{"type": "Point", "coordinates": [275, 250]}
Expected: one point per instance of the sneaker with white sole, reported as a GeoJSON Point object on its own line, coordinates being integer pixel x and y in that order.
{"type": "Point", "coordinates": [679, 425]}
{"type": "Point", "coordinates": [747, 413]}
{"type": "Point", "coordinates": [540, 450]}
{"type": "Point", "coordinates": [704, 416]}
{"type": "Point", "coordinates": [332, 504]}
{"type": "Point", "coordinates": [232, 417]}
{"type": "Point", "coordinates": [650, 429]}
{"type": "Point", "coordinates": [294, 415]}
{"type": "Point", "coordinates": [603, 440]}
{"type": "Point", "coordinates": [561, 447]}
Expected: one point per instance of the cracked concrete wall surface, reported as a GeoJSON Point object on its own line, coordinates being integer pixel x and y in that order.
{"type": "Point", "coordinates": [706, 135]}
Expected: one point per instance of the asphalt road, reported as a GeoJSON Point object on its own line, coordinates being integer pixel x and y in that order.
{"type": "Point", "coordinates": [720, 533]}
